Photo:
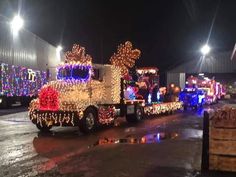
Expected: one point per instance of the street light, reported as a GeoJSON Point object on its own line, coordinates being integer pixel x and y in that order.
{"type": "Point", "coordinates": [205, 49]}
{"type": "Point", "coordinates": [16, 24]}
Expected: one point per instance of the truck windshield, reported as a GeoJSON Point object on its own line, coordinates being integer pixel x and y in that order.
{"type": "Point", "coordinates": [75, 72]}
{"type": "Point", "coordinates": [64, 72]}
{"type": "Point", "coordinates": [78, 72]}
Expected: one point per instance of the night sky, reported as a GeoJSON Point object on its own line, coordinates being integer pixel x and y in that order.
{"type": "Point", "coordinates": [167, 32]}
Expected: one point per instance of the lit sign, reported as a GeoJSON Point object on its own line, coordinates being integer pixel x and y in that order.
{"type": "Point", "coordinates": [31, 75]}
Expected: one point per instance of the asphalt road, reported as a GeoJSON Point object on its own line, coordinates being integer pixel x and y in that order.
{"type": "Point", "coordinates": [160, 146]}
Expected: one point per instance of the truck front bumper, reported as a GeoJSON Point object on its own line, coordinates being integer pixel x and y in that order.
{"type": "Point", "coordinates": [55, 118]}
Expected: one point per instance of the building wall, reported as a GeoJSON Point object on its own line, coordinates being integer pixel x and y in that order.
{"type": "Point", "coordinates": [216, 63]}
{"type": "Point", "coordinates": [26, 49]}
{"type": "Point", "coordinates": [176, 78]}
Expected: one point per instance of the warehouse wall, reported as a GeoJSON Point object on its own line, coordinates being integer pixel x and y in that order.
{"type": "Point", "coordinates": [26, 49]}
{"type": "Point", "coordinates": [176, 78]}
{"type": "Point", "coordinates": [215, 63]}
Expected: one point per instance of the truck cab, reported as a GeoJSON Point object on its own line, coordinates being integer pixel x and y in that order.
{"type": "Point", "coordinates": [192, 97]}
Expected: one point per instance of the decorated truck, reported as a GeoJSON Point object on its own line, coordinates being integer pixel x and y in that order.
{"type": "Point", "coordinates": [87, 95]}
{"type": "Point", "coordinates": [192, 98]}
{"type": "Point", "coordinates": [213, 90]}
{"type": "Point", "coordinates": [19, 83]}
{"type": "Point", "coordinates": [148, 80]}
{"type": "Point", "coordinates": [201, 90]}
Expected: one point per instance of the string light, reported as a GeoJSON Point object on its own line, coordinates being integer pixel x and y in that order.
{"type": "Point", "coordinates": [149, 98]}
{"type": "Point", "coordinates": [125, 57]}
{"type": "Point", "coordinates": [74, 71]}
{"type": "Point", "coordinates": [78, 55]}
{"type": "Point", "coordinates": [48, 99]}
{"type": "Point", "coordinates": [147, 70]}
{"type": "Point", "coordinates": [115, 84]}
{"type": "Point", "coordinates": [20, 81]}
{"type": "Point", "coordinates": [106, 115]}
{"type": "Point", "coordinates": [162, 108]}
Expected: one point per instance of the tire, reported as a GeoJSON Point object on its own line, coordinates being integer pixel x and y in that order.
{"type": "Point", "coordinates": [89, 121]}
{"type": "Point", "coordinates": [137, 116]}
{"type": "Point", "coordinates": [44, 128]}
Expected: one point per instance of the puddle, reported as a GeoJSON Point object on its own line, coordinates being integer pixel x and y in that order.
{"type": "Point", "coordinates": [182, 134]}
{"type": "Point", "coordinates": [147, 139]}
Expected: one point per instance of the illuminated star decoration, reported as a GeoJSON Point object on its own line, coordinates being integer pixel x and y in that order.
{"type": "Point", "coordinates": [125, 57]}
{"type": "Point", "coordinates": [78, 55]}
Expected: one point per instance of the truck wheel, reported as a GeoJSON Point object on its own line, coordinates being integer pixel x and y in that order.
{"type": "Point", "coordinates": [137, 116]}
{"type": "Point", "coordinates": [43, 128]}
{"type": "Point", "coordinates": [89, 122]}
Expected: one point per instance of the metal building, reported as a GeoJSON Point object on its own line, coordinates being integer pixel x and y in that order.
{"type": "Point", "coordinates": [218, 65]}
{"type": "Point", "coordinates": [26, 49]}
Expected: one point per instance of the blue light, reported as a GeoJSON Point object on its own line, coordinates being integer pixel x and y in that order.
{"type": "Point", "coordinates": [200, 98]}
{"type": "Point", "coordinates": [158, 136]}
{"type": "Point", "coordinates": [192, 97]}
{"type": "Point", "coordinates": [158, 96]}
{"type": "Point", "coordinates": [130, 93]}
{"type": "Point", "coordinates": [74, 72]}
{"type": "Point", "coordinates": [149, 98]}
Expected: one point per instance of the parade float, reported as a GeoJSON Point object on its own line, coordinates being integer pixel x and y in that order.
{"type": "Point", "coordinates": [192, 97]}
{"type": "Point", "coordinates": [88, 95]}
{"type": "Point", "coordinates": [158, 99]}
{"type": "Point", "coordinates": [201, 90]}
{"type": "Point", "coordinates": [209, 86]}
{"type": "Point", "coordinates": [214, 90]}
{"type": "Point", "coordinates": [19, 83]}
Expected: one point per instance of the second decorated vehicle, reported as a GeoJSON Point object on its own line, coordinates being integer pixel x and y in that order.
{"type": "Point", "coordinates": [192, 97]}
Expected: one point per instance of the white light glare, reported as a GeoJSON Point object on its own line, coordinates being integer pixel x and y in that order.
{"type": "Point", "coordinates": [205, 49]}
{"type": "Point", "coordinates": [59, 48]}
{"type": "Point", "coordinates": [58, 51]}
{"type": "Point", "coordinates": [16, 24]}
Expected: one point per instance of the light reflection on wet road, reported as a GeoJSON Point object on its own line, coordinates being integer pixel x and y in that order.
{"type": "Point", "coordinates": [166, 142]}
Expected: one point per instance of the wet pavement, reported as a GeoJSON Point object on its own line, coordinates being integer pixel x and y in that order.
{"type": "Point", "coordinates": [161, 146]}
{"type": "Point", "coordinates": [15, 108]}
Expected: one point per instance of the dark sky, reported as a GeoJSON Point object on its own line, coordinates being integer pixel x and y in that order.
{"type": "Point", "coordinates": [167, 32]}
